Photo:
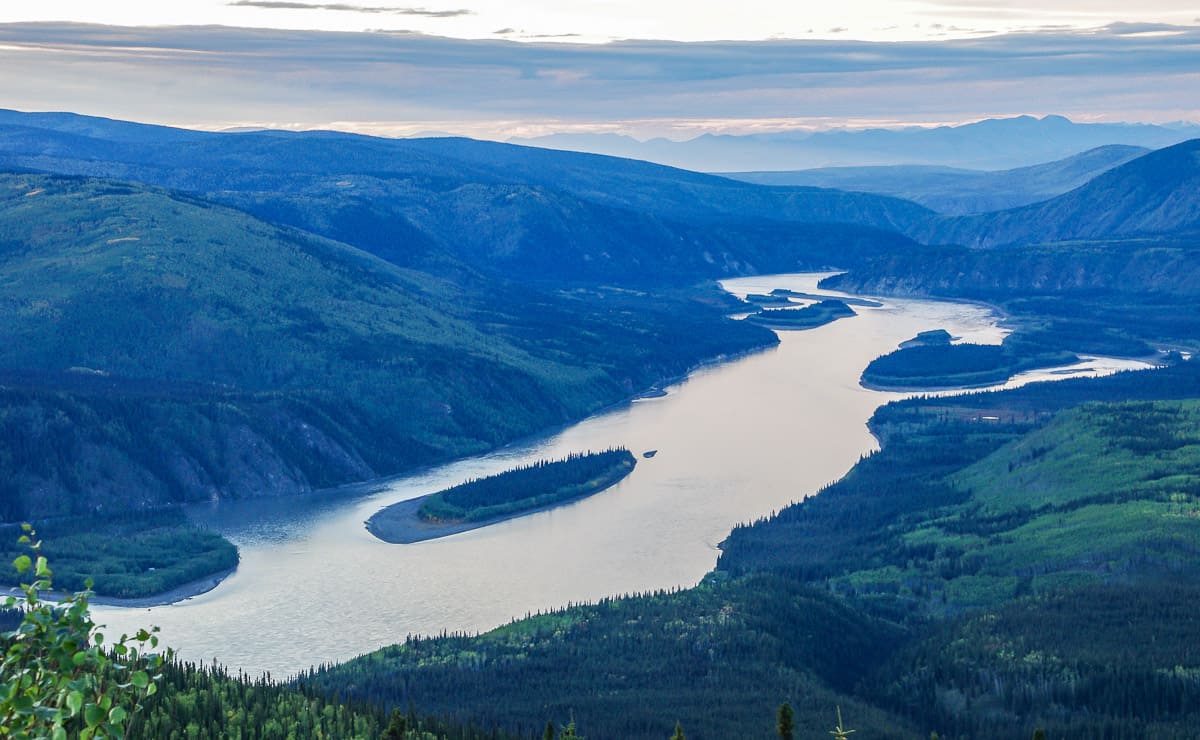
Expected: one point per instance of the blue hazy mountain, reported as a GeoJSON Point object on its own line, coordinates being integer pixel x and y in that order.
{"type": "Point", "coordinates": [992, 144]}
{"type": "Point", "coordinates": [1155, 194]}
{"type": "Point", "coordinates": [956, 191]}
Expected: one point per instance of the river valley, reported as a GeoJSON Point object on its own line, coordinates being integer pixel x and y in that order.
{"type": "Point", "coordinates": [735, 441]}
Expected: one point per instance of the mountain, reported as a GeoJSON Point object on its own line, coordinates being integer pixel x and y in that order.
{"type": "Point", "coordinates": [1158, 193]}
{"type": "Point", "coordinates": [157, 349]}
{"type": "Point", "coordinates": [953, 191]}
{"type": "Point", "coordinates": [992, 144]}
{"type": "Point", "coordinates": [1111, 267]}
{"type": "Point", "coordinates": [499, 208]}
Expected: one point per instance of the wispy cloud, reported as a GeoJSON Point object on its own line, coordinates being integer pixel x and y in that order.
{"type": "Point", "coordinates": [346, 7]}
{"type": "Point", "coordinates": [218, 77]}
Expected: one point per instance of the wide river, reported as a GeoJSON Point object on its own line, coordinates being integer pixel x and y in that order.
{"type": "Point", "coordinates": [735, 442]}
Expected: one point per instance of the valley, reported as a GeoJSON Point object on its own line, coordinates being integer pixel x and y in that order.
{"type": "Point", "coordinates": [222, 354]}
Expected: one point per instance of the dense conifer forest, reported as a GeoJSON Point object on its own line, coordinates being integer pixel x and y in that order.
{"type": "Point", "coordinates": [531, 486]}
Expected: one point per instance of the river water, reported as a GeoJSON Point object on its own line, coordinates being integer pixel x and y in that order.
{"type": "Point", "coordinates": [735, 442]}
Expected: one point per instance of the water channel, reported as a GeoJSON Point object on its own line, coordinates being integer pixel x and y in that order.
{"type": "Point", "coordinates": [735, 442]}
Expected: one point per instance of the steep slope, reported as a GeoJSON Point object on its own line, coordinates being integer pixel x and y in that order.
{"type": "Point", "coordinates": [1158, 193]}
{"type": "Point", "coordinates": [956, 191]}
{"type": "Point", "coordinates": [155, 349]}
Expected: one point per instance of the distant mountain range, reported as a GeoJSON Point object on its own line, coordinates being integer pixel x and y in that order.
{"type": "Point", "coordinates": [1158, 193]}
{"type": "Point", "coordinates": [520, 212]}
{"type": "Point", "coordinates": [954, 191]}
{"type": "Point", "coordinates": [993, 144]}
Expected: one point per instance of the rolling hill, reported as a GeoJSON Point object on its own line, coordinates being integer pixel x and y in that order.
{"type": "Point", "coordinates": [155, 349]}
{"type": "Point", "coordinates": [952, 191]}
{"type": "Point", "coordinates": [1158, 193]}
{"type": "Point", "coordinates": [496, 207]}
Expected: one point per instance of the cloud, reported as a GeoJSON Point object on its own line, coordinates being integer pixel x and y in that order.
{"type": "Point", "coordinates": [288, 5]}
{"type": "Point", "coordinates": [218, 77]}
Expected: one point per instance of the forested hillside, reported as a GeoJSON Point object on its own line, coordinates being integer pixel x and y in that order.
{"type": "Point", "coordinates": [1012, 509]}
{"type": "Point", "coordinates": [158, 350]}
{"type": "Point", "coordinates": [503, 209]}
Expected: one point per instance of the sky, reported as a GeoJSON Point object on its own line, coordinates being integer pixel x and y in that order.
{"type": "Point", "coordinates": [606, 20]}
{"type": "Point", "coordinates": [510, 68]}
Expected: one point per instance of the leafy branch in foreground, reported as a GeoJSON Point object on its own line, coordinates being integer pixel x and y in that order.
{"type": "Point", "coordinates": [57, 679]}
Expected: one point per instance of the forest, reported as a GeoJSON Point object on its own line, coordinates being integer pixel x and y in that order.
{"type": "Point", "coordinates": [538, 484]}
{"type": "Point", "coordinates": [870, 595]}
{"type": "Point", "coordinates": [927, 364]}
{"type": "Point", "coordinates": [125, 555]}
{"type": "Point", "coordinates": [809, 317]}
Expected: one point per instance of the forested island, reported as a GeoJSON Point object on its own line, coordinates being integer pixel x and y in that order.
{"type": "Point", "coordinates": [479, 502]}
{"type": "Point", "coordinates": [848, 300]}
{"type": "Point", "coordinates": [809, 317]}
{"type": "Point", "coordinates": [135, 559]}
{"type": "Point", "coordinates": [930, 361]}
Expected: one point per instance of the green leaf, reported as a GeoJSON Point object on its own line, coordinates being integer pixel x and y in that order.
{"type": "Point", "coordinates": [152, 689]}
{"type": "Point", "coordinates": [93, 715]}
{"type": "Point", "coordinates": [117, 715]}
{"type": "Point", "coordinates": [140, 679]}
{"type": "Point", "coordinates": [75, 702]}
{"type": "Point", "coordinates": [22, 563]}
{"type": "Point", "coordinates": [43, 568]}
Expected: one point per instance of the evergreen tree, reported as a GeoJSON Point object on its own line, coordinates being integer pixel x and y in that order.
{"type": "Point", "coordinates": [568, 732]}
{"type": "Point", "coordinates": [783, 721]}
{"type": "Point", "coordinates": [397, 728]}
{"type": "Point", "coordinates": [548, 733]}
{"type": "Point", "coordinates": [678, 732]}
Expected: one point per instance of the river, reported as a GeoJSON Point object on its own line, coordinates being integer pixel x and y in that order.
{"type": "Point", "coordinates": [735, 442]}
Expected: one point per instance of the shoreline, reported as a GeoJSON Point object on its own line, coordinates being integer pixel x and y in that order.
{"type": "Point", "coordinates": [182, 592]}
{"type": "Point", "coordinates": [400, 523]}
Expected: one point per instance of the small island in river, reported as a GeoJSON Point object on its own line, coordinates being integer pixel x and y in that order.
{"type": "Point", "coordinates": [809, 317]}
{"type": "Point", "coordinates": [483, 501]}
{"type": "Point", "coordinates": [930, 362]}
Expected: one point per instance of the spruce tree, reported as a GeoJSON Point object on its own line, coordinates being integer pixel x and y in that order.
{"type": "Point", "coordinates": [783, 721]}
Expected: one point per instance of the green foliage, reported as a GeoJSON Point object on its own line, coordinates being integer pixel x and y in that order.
{"type": "Point", "coordinates": [58, 678]}
{"type": "Point", "coordinates": [203, 702]}
{"type": "Point", "coordinates": [529, 487]}
{"type": "Point", "coordinates": [129, 556]}
{"type": "Point", "coordinates": [716, 657]}
{"type": "Point", "coordinates": [678, 734]}
{"type": "Point", "coordinates": [1114, 660]}
{"type": "Point", "coordinates": [784, 722]}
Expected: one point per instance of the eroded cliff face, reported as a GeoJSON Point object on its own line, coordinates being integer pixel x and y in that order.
{"type": "Point", "coordinates": [73, 456]}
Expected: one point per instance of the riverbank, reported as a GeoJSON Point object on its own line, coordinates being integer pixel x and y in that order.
{"type": "Point", "coordinates": [175, 595]}
{"type": "Point", "coordinates": [402, 523]}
